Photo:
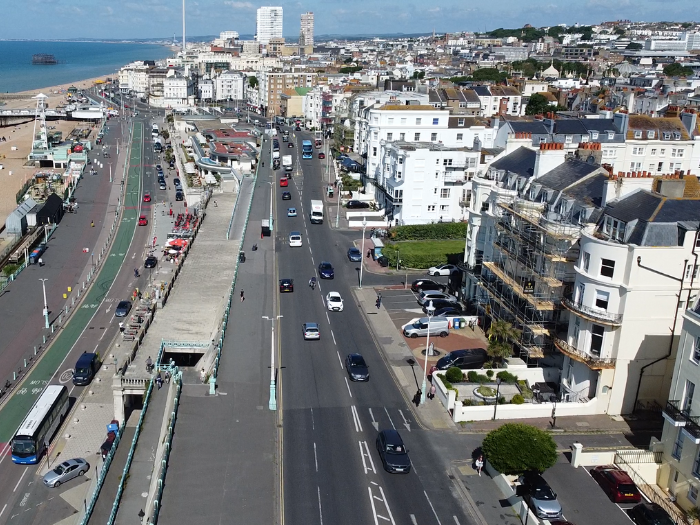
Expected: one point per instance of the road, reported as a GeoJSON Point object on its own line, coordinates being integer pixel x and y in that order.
{"type": "Point", "coordinates": [24, 500]}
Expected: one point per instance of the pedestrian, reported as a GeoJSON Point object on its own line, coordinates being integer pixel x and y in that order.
{"type": "Point", "coordinates": [261, 234]}
{"type": "Point", "coordinates": [430, 373]}
{"type": "Point", "coordinates": [416, 397]}
{"type": "Point", "coordinates": [159, 381]}
{"type": "Point", "coordinates": [479, 463]}
{"type": "Point", "coordinates": [203, 376]}
{"type": "Point", "coordinates": [149, 364]}
{"type": "Point", "coordinates": [379, 300]}
{"type": "Point", "coordinates": [369, 253]}
{"type": "Point", "coordinates": [167, 377]}
{"type": "Point", "coordinates": [431, 392]}
{"type": "Point", "coordinates": [41, 261]}
{"type": "Point", "coordinates": [92, 224]}
{"type": "Point", "coordinates": [242, 296]}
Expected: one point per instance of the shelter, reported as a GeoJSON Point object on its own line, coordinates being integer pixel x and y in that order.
{"type": "Point", "coordinates": [16, 223]}
{"type": "Point", "coordinates": [51, 212]}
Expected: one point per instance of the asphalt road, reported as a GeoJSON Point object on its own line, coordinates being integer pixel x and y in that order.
{"type": "Point", "coordinates": [332, 472]}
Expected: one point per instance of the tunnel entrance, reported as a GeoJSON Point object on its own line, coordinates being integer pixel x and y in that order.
{"type": "Point", "coordinates": [182, 359]}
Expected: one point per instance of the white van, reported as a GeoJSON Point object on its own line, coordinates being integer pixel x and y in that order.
{"type": "Point", "coordinates": [438, 326]}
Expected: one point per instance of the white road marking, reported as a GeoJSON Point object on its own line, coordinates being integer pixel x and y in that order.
{"type": "Point", "coordinates": [340, 359]}
{"type": "Point", "coordinates": [71, 391]}
{"type": "Point", "coordinates": [347, 384]}
{"type": "Point", "coordinates": [315, 457]}
{"type": "Point", "coordinates": [3, 509]}
{"type": "Point", "coordinates": [327, 318]}
{"type": "Point", "coordinates": [433, 508]}
{"type": "Point", "coordinates": [413, 519]}
{"type": "Point", "coordinates": [320, 510]}
{"type": "Point", "coordinates": [333, 335]}
{"type": "Point", "coordinates": [20, 478]}
{"type": "Point", "coordinates": [356, 419]}
{"type": "Point", "coordinates": [313, 423]}
{"type": "Point", "coordinates": [390, 420]}
{"type": "Point", "coordinates": [366, 457]}
{"type": "Point", "coordinates": [405, 421]}
{"type": "Point", "coordinates": [456, 520]}
{"type": "Point", "coordinates": [375, 423]}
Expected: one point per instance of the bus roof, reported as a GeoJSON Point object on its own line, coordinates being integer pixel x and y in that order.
{"type": "Point", "coordinates": [41, 407]}
{"type": "Point", "coordinates": [306, 142]}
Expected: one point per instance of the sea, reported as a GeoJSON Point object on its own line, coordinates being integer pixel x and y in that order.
{"type": "Point", "coordinates": [77, 61]}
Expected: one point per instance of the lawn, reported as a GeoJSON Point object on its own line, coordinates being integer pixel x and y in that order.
{"type": "Point", "coordinates": [424, 254]}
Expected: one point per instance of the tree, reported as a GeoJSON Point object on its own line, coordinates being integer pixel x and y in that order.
{"type": "Point", "coordinates": [515, 448]}
{"type": "Point", "coordinates": [500, 333]}
{"type": "Point", "coordinates": [253, 82]}
{"type": "Point", "coordinates": [677, 70]}
{"type": "Point", "coordinates": [537, 105]}
{"type": "Point", "coordinates": [489, 73]}
{"type": "Point", "coordinates": [634, 46]}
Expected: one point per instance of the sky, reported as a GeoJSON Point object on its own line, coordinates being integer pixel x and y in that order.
{"type": "Point", "coordinates": [66, 19]}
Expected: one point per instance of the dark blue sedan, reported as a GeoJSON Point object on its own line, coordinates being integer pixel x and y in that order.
{"type": "Point", "coordinates": [325, 270]}
{"type": "Point", "coordinates": [354, 254]}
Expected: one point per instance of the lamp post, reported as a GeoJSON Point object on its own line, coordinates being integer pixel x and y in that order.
{"type": "Point", "coordinates": [498, 393]}
{"type": "Point", "coordinates": [46, 306]}
{"type": "Point", "coordinates": [362, 254]}
{"type": "Point", "coordinates": [272, 403]}
{"type": "Point", "coordinates": [272, 197]}
{"type": "Point", "coordinates": [337, 211]}
{"type": "Point", "coordinates": [430, 312]}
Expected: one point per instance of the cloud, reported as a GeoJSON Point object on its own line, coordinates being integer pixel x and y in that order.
{"type": "Point", "coordinates": [247, 6]}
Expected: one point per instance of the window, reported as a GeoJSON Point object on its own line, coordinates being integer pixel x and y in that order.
{"type": "Point", "coordinates": [447, 162]}
{"type": "Point", "coordinates": [696, 351]}
{"type": "Point", "coordinates": [638, 134]}
{"type": "Point", "coordinates": [375, 134]}
{"type": "Point", "coordinates": [660, 166]}
{"type": "Point", "coordinates": [691, 270]}
{"type": "Point", "coordinates": [692, 492]}
{"type": "Point", "coordinates": [398, 195]}
{"type": "Point", "coordinates": [436, 121]}
{"type": "Point", "coordinates": [416, 137]}
{"type": "Point", "coordinates": [418, 121]}
{"type": "Point", "coordinates": [653, 151]}
{"type": "Point", "coordinates": [431, 207]}
{"type": "Point", "coordinates": [402, 136]}
{"type": "Point", "coordinates": [460, 122]}
{"type": "Point", "coordinates": [614, 229]}
{"type": "Point", "coordinates": [696, 473]}
{"type": "Point", "coordinates": [403, 120]}
{"type": "Point", "coordinates": [433, 137]}
{"type": "Point", "coordinates": [635, 166]}
{"type": "Point", "coordinates": [575, 333]}
{"type": "Point", "coordinates": [607, 267]}
{"type": "Point", "coordinates": [390, 120]}
{"type": "Point", "coordinates": [585, 261]}
{"type": "Point", "coordinates": [437, 174]}
{"type": "Point", "coordinates": [686, 406]}
{"type": "Point", "coordinates": [445, 193]}
{"type": "Point", "coordinates": [601, 299]}
{"type": "Point", "coordinates": [444, 207]}
{"type": "Point", "coordinates": [389, 136]}
{"type": "Point", "coordinates": [650, 134]}
{"type": "Point", "coordinates": [677, 152]}
{"type": "Point", "coordinates": [569, 139]}
{"type": "Point", "coordinates": [374, 151]}
{"type": "Point", "coordinates": [677, 451]}
{"type": "Point", "coordinates": [597, 332]}
{"type": "Point", "coordinates": [594, 135]}
{"type": "Point", "coordinates": [662, 152]}
{"type": "Point", "coordinates": [611, 135]}
{"type": "Point", "coordinates": [459, 137]}
{"type": "Point", "coordinates": [638, 151]}
{"type": "Point", "coordinates": [400, 160]}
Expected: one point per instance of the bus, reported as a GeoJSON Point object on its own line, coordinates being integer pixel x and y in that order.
{"type": "Point", "coordinates": [42, 422]}
{"type": "Point", "coordinates": [307, 150]}
{"type": "Point", "coordinates": [318, 139]}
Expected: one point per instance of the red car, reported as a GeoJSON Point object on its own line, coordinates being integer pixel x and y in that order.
{"type": "Point", "coordinates": [147, 197]}
{"type": "Point", "coordinates": [321, 155]}
{"type": "Point", "coordinates": [616, 483]}
{"type": "Point", "coordinates": [143, 221]}
{"type": "Point", "coordinates": [284, 182]}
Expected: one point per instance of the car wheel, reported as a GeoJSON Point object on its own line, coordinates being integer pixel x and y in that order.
{"type": "Point", "coordinates": [443, 334]}
{"type": "Point", "coordinates": [81, 472]}
{"type": "Point", "coordinates": [56, 484]}
{"type": "Point", "coordinates": [413, 336]}
{"type": "Point", "coordinates": [436, 274]}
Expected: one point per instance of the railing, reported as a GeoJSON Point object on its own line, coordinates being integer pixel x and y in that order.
{"type": "Point", "coordinates": [594, 362]}
{"type": "Point", "coordinates": [673, 411]}
{"type": "Point", "coordinates": [592, 313]}
{"type": "Point", "coordinates": [639, 456]}
{"type": "Point", "coordinates": [89, 506]}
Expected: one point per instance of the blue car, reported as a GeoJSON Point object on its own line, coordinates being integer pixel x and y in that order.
{"type": "Point", "coordinates": [354, 254]}
{"type": "Point", "coordinates": [325, 270]}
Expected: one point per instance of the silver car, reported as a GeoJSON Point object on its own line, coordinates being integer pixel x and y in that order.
{"type": "Point", "coordinates": [311, 331]}
{"type": "Point", "coordinates": [66, 471]}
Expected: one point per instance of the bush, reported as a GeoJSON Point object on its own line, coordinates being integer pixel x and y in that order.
{"type": "Point", "coordinates": [454, 375]}
{"type": "Point", "coordinates": [475, 377]}
{"type": "Point", "coordinates": [487, 366]}
{"type": "Point", "coordinates": [517, 399]}
{"type": "Point", "coordinates": [467, 402]}
{"type": "Point", "coordinates": [424, 232]}
{"type": "Point", "coordinates": [489, 374]}
{"type": "Point", "coordinates": [507, 377]}
{"type": "Point", "coordinates": [9, 269]}
{"type": "Point", "coordinates": [515, 448]}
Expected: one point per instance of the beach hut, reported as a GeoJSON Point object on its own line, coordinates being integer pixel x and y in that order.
{"type": "Point", "coordinates": [51, 212]}
{"type": "Point", "coordinates": [16, 223]}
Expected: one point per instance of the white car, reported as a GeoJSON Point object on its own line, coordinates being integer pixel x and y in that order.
{"type": "Point", "coordinates": [334, 302]}
{"type": "Point", "coordinates": [443, 269]}
{"type": "Point", "coordinates": [311, 331]}
{"type": "Point", "coordinates": [295, 239]}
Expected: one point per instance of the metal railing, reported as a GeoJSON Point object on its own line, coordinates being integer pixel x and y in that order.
{"type": "Point", "coordinates": [597, 315]}
{"type": "Point", "coordinates": [594, 362]}
{"type": "Point", "coordinates": [89, 506]}
{"type": "Point", "coordinates": [673, 410]}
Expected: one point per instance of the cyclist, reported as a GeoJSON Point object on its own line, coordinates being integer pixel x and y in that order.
{"type": "Point", "coordinates": [312, 282]}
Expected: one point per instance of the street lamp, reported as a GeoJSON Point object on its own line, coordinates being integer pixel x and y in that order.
{"type": "Point", "coordinates": [430, 311]}
{"type": "Point", "coordinates": [272, 196]}
{"type": "Point", "coordinates": [46, 306]}
{"type": "Point", "coordinates": [272, 403]}
{"type": "Point", "coordinates": [337, 211]}
{"type": "Point", "coordinates": [362, 253]}
{"type": "Point", "coordinates": [498, 393]}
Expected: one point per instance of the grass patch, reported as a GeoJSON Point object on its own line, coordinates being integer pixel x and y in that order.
{"type": "Point", "coordinates": [424, 254]}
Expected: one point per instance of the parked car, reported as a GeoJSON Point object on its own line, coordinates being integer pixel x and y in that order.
{"type": "Point", "coordinates": [159, 167]}
{"type": "Point", "coordinates": [311, 331]}
{"type": "Point", "coordinates": [393, 452]}
{"type": "Point", "coordinates": [150, 262]}
{"type": "Point", "coordinates": [443, 269]}
{"type": "Point", "coordinates": [179, 196]}
{"type": "Point", "coordinates": [356, 367]}
{"type": "Point", "coordinates": [162, 185]}
{"type": "Point", "coordinates": [325, 270]}
{"type": "Point", "coordinates": [421, 327]}
{"type": "Point", "coordinates": [540, 497]}
{"type": "Point", "coordinates": [284, 182]}
{"type": "Point", "coordinates": [334, 302]}
{"type": "Point", "coordinates": [66, 471]}
{"type": "Point", "coordinates": [439, 304]}
{"type": "Point", "coordinates": [354, 254]}
{"type": "Point", "coordinates": [448, 311]}
{"type": "Point", "coordinates": [286, 196]}
{"type": "Point", "coordinates": [616, 483]}
{"type": "Point", "coordinates": [357, 205]}
{"type": "Point", "coordinates": [420, 285]}
{"type": "Point", "coordinates": [471, 358]}
{"type": "Point", "coordinates": [291, 212]}
{"type": "Point", "coordinates": [650, 514]}
{"type": "Point", "coordinates": [123, 309]}
{"type": "Point", "coordinates": [432, 295]}
{"type": "Point", "coordinates": [143, 221]}
{"type": "Point", "coordinates": [177, 183]}
{"type": "Point", "coordinates": [286, 285]}
{"type": "Point", "coordinates": [290, 145]}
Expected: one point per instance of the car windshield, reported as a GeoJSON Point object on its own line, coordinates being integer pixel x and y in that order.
{"type": "Point", "coordinates": [60, 469]}
{"type": "Point", "coordinates": [357, 360]}
{"type": "Point", "coordinates": [543, 492]}
{"type": "Point", "coordinates": [23, 447]}
{"type": "Point", "coordinates": [82, 371]}
{"type": "Point", "coordinates": [325, 266]}
{"type": "Point", "coordinates": [392, 448]}
{"type": "Point", "coordinates": [334, 298]}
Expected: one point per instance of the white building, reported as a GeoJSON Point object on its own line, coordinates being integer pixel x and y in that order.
{"type": "Point", "coordinates": [268, 24]}
{"type": "Point", "coordinates": [205, 90]}
{"type": "Point", "coordinates": [499, 100]}
{"type": "Point", "coordinates": [230, 85]}
{"type": "Point", "coordinates": [134, 77]}
{"type": "Point", "coordinates": [178, 91]}
{"type": "Point", "coordinates": [306, 35]}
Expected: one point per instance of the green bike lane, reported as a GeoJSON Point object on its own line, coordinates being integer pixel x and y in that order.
{"type": "Point", "coordinates": [24, 397]}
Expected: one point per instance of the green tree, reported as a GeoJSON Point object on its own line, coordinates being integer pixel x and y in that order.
{"type": "Point", "coordinates": [634, 46]}
{"type": "Point", "coordinates": [500, 334]}
{"type": "Point", "coordinates": [537, 105]}
{"type": "Point", "coordinates": [253, 82]}
{"type": "Point", "coordinates": [619, 31]}
{"type": "Point", "coordinates": [515, 448]}
{"type": "Point", "coordinates": [420, 75]}
{"type": "Point", "coordinates": [677, 70]}
{"type": "Point", "coordinates": [489, 74]}
{"type": "Point", "coordinates": [166, 134]}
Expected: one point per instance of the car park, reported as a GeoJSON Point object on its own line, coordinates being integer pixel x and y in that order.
{"type": "Point", "coordinates": [146, 197]}
{"type": "Point", "coordinates": [286, 196]}
{"type": "Point", "coordinates": [356, 367]}
{"type": "Point", "coordinates": [325, 270]}
{"type": "Point", "coordinates": [291, 212]}
{"type": "Point", "coordinates": [150, 262]}
{"type": "Point", "coordinates": [334, 302]}
{"type": "Point", "coordinates": [354, 254]}
{"type": "Point", "coordinates": [393, 452]}
{"type": "Point", "coordinates": [123, 309]}
{"type": "Point", "coordinates": [650, 514]}
{"type": "Point", "coordinates": [284, 182]}
{"type": "Point", "coordinates": [443, 269]}
{"type": "Point", "coordinates": [420, 285]}
{"type": "Point", "coordinates": [143, 221]}
{"type": "Point", "coordinates": [540, 497]}
{"type": "Point", "coordinates": [470, 358]}
{"type": "Point", "coordinates": [65, 471]}
{"type": "Point", "coordinates": [311, 331]}
{"type": "Point", "coordinates": [432, 295]}
{"type": "Point", "coordinates": [616, 483]}
{"type": "Point", "coordinates": [286, 285]}
{"type": "Point", "coordinates": [295, 239]}
{"type": "Point", "coordinates": [357, 204]}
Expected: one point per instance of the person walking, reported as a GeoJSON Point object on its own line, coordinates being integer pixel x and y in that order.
{"type": "Point", "coordinates": [159, 381]}
{"type": "Point", "coordinates": [479, 463]}
{"type": "Point", "coordinates": [92, 224]}
{"type": "Point", "coordinates": [149, 364]}
{"type": "Point", "coordinates": [379, 300]}
{"type": "Point", "coordinates": [203, 376]}
{"type": "Point", "coordinates": [167, 377]}
{"type": "Point", "coordinates": [431, 392]}
{"type": "Point", "coordinates": [242, 296]}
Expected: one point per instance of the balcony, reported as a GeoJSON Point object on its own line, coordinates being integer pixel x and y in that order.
{"type": "Point", "coordinates": [691, 430]}
{"type": "Point", "coordinates": [455, 176]}
{"type": "Point", "coordinates": [592, 314]}
{"type": "Point", "coordinates": [592, 361]}
{"type": "Point", "coordinates": [673, 414]}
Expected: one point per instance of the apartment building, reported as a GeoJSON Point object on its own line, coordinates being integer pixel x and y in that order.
{"type": "Point", "coordinates": [134, 77]}
{"type": "Point", "coordinates": [458, 101]}
{"type": "Point", "coordinates": [268, 24]}
{"type": "Point", "coordinates": [499, 100]}
{"type": "Point", "coordinates": [322, 104]}
{"type": "Point", "coordinates": [306, 35]}
{"type": "Point", "coordinates": [230, 85]}
{"type": "Point", "coordinates": [272, 85]}
{"type": "Point", "coordinates": [178, 91]}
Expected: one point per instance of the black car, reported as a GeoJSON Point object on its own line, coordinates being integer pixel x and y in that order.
{"type": "Point", "coordinates": [354, 254]}
{"type": "Point", "coordinates": [427, 284]}
{"type": "Point", "coordinates": [439, 304]}
{"type": "Point", "coordinates": [357, 205]}
{"type": "Point", "coordinates": [150, 262]}
{"type": "Point", "coordinates": [286, 196]}
{"type": "Point", "coordinates": [356, 367]}
{"type": "Point", "coordinates": [325, 270]}
{"type": "Point", "coordinates": [448, 311]}
{"type": "Point", "coordinates": [286, 285]}
{"type": "Point", "coordinates": [393, 452]}
{"type": "Point", "coordinates": [123, 309]}
{"type": "Point", "coordinates": [179, 196]}
{"type": "Point", "coordinates": [650, 514]}
{"type": "Point", "coordinates": [470, 358]}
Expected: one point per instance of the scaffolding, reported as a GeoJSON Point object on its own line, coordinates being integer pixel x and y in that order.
{"type": "Point", "coordinates": [531, 271]}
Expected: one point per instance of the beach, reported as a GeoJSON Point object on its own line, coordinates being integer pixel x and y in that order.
{"type": "Point", "coordinates": [18, 143]}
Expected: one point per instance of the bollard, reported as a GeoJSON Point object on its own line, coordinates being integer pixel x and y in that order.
{"type": "Point", "coordinates": [34, 349]}
{"type": "Point", "coordinates": [44, 339]}
{"type": "Point", "coordinates": [14, 376]}
{"type": "Point", "coordinates": [25, 363]}
{"type": "Point", "coordinates": [51, 328]}
{"type": "Point", "coordinates": [66, 309]}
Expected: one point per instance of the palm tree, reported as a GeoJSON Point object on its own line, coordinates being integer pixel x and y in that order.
{"type": "Point", "coordinates": [500, 334]}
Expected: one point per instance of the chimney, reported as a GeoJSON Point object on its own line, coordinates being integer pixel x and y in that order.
{"type": "Point", "coordinates": [672, 187]}
{"type": "Point", "coordinates": [549, 156]}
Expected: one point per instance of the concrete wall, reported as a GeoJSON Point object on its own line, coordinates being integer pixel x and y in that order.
{"type": "Point", "coordinates": [507, 488]}
{"type": "Point", "coordinates": [524, 411]}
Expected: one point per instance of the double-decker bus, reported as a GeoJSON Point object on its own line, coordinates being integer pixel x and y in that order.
{"type": "Point", "coordinates": [40, 425]}
{"type": "Point", "coordinates": [307, 150]}
{"type": "Point", "coordinates": [318, 139]}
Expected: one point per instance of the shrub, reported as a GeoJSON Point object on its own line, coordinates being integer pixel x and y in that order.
{"type": "Point", "coordinates": [517, 399]}
{"type": "Point", "coordinates": [488, 365]}
{"type": "Point", "coordinates": [489, 374]}
{"type": "Point", "coordinates": [507, 377]}
{"type": "Point", "coordinates": [515, 448]}
{"type": "Point", "coordinates": [467, 402]}
{"type": "Point", "coordinates": [454, 375]}
{"type": "Point", "coordinates": [9, 269]}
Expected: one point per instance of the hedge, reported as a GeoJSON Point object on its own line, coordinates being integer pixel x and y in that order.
{"type": "Point", "coordinates": [433, 232]}
{"type": "Point", "coordinates": [424, 254]}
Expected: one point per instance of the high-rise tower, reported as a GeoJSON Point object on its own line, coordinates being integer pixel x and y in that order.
{"type": "Point", "coordinates": [269, 24]}
{"type": "Point", "coordinates": [306, 35]}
